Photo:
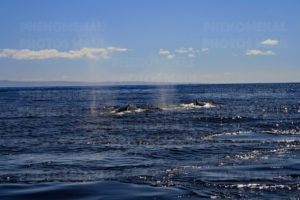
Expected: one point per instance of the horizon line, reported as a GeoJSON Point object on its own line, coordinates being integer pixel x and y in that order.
{"type": "Point", "coordinates": [12, 83]}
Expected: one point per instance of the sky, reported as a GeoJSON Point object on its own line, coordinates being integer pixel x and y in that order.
{"type": "Point", "coordinates": [186, 41]}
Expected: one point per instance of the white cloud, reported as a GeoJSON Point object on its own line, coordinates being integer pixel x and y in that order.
{"type": "Point", "coordinates": [270, 42]}
{"type": "Point", "coordinates": [189, 52]}
{"type": "Point", "coordinates": [90, 53]}
{"type": "Point", "coordinates": [161, 51]}
{"type": "Point", "coordinates": [182, 50]}
{"type": "Point", "coordinates": [171, 56]}
{"type": "Point", "coordinates": [259, 52]}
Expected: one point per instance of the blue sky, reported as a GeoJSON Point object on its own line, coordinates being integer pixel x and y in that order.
{"type": "Point", "coordinates": [200, 41]}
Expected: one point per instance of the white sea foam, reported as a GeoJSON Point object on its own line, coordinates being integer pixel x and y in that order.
{"type": "Point", "coordinates": [262, 186]}
{"type": "Point", "coordinates": [274, 131]}
{"type": "Point", "coordinates": [193, 106]}
{"type": "Point", "coordinates": [137, 110]}
{"type": "Point", "coordinates": [188, 106]}
{"type": "Point", "coordinates": [282, 132]}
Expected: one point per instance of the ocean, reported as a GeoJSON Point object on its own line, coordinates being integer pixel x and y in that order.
{"type": "Point", "coordinates": [239, 141]}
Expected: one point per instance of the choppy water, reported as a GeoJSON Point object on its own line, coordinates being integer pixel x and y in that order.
{"type": "Point", "coordinates": [73, 143]}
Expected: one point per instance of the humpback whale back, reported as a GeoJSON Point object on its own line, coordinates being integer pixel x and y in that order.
{"type": "Point", "coordinates": [126, 108]}
{"type": "Point", "coordinates": [199, 103]}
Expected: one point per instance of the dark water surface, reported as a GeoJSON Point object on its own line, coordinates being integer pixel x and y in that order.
{"type": "Point", "coordinates": [76, 143]}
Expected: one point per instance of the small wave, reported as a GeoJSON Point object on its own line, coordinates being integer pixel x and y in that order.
{"type": "Point", "coordinates": [283, 132]}
{"type": "Point", "coordinates": [277, 132]}
{"type": "Point", "coordinates": [265, 186]}
{"type": "Point", "coordinates": [77, 191]}
{"type": "Point", "coordinates": [221, 120]}
{"type": "Point", "coordinates": [210, 137]}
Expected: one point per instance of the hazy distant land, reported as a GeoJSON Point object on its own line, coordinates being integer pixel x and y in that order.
{"type": "Point", "coordinates": [5, 83]}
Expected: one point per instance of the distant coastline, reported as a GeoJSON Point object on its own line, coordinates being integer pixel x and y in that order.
{"type": "Point", "coordinates": [7, 83]}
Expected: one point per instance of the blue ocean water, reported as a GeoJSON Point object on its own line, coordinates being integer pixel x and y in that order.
{"type": "Point", "coordinates": [242, 141]}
